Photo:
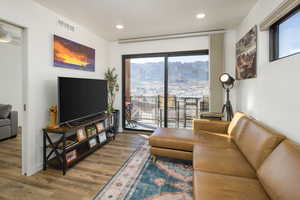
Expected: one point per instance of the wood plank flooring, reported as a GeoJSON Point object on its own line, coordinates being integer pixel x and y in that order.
{"type": "Point", "coordinates": [81, 182]}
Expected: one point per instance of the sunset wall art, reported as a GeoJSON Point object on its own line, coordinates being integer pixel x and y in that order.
{"type": "Point", "coordinates": [69, 54]}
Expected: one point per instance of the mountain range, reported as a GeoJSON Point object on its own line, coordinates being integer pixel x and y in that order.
{"type": "Point", "coordinates": [178, 71]}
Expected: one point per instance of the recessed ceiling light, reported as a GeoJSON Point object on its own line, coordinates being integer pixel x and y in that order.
{"type": "Point", "coordinates": [200, 16]}
{"type": "Point", "coordinates": [119, 26]}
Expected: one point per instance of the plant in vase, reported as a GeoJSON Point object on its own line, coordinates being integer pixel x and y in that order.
{"type": "Point", "coordinates": [112, 88]}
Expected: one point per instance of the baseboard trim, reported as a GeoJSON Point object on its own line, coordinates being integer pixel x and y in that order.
{"type": "Point", "coordinates": [34, 170]}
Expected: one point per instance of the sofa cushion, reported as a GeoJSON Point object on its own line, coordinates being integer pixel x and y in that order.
{"type": "Point", "coordinates": [227, 161]}
{"type": "Point", "coordinates": [280, 172]}
{"type": "Point", "coordinates": [171, 153]}
{"type": "Point", "coordinates": [216, 140]}
{"type": "Point", "coordinates": [237, 124]}
{"type": "Point", "coordinates": [257, 141]}
{"type": "Point", "coordinates": [184, 139]}
{"type": "Point", "coordinates": [4, 111]}
{"type": "Point", "coordinates": [4, 122]}
{"type": "Point", "coordinates": [173, 138]}
{"type": "Point", "coordinates": [210, 125]}
{"type": "Point", "coordinates": [210, 186]}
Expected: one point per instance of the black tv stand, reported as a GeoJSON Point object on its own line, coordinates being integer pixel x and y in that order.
{"type": "Point", "coordinates": [84, 120]}
{"type": "Point", "coordinates": [55, 150]}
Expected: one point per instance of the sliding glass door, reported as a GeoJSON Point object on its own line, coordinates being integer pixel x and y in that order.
{"type": "Point", "coordinates": [144, 83]}
{"type": "Point", "coordinates": [188, 89]}
{"type": "Point", "coordinates": [164, 90]}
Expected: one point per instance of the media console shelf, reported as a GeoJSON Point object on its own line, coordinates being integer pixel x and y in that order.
{"type": "Point", "coordinates": [73, 143]}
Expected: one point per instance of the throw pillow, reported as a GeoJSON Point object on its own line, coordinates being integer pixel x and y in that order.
{"type": "Point", "coordinates": [4, 111]}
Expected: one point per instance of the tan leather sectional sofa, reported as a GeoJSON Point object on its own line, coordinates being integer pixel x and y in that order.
{"type": "Point", "coordinates": [239, 160]}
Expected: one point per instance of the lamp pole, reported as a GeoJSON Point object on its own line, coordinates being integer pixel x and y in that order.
{"type": "Point", "coordinates": [227, 106]}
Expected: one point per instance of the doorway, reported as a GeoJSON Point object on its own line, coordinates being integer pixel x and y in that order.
{"type": "Point", "coordinates": [164, 89]}
{"type": "Point", "coordinates": [12, 87]}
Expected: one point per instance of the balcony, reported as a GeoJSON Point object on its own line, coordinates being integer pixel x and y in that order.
{"type": "Point", "coordinates": [147, 112]}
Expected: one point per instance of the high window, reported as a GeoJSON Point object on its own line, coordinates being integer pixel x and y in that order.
{"type": "Point", "coordinates": [284, 36]}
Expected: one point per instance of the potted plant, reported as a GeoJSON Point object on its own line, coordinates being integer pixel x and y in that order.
{"type": "Point", "coordinates": [112, 89]}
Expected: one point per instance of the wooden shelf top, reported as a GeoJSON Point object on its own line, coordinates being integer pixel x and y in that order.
{"type": "Point", "coordinates": [66, 128]}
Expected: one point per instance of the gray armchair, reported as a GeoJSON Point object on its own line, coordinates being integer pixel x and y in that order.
{"type": "Point", "coordinates": [8, 122]}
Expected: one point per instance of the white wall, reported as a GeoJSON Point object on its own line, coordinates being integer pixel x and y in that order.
{"type": "Point", "coordinates": [11, 77]}
{"type": "Point", "coordinates": [273, 97]}
{"type": "Point", "coordinates": [229, 51]}
{"type": "Point", "coordinates": [41, 24]}
{"type": "Point", "coordinates": [171, 45]}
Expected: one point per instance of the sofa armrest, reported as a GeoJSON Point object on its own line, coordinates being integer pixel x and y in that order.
{"type": "Point", "coordinates": [210, 125]}
{"type": "Point", "coordinates": [14, 122]}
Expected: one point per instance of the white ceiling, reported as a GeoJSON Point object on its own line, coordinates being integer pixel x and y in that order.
{"type": "Point", "coordinates": [150, 17]}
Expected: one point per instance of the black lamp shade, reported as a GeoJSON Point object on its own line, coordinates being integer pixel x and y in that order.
{"type": "Point", "coordinates": [226, 79]}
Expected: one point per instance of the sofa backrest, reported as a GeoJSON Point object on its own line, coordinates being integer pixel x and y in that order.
{"type": "Point", "coordinates": [280, 172]}
{"type": "Point", "coordinates": [237, 124]}
{"type": "Point", "coordinates": [256, 141]}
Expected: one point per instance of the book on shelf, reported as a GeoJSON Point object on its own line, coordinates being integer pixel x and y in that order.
{"type": "Point", "coordinates": [92, 142]}
{"type": "Point", "coordinates": [102, 137]}
{"type": "Point", "coordinates": [71, 155]}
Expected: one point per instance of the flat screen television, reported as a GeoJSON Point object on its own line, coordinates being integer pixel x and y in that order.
{"type": "Point", "coordinates": [80, 98]}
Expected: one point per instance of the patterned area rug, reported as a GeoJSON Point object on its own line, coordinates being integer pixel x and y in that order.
{"type": "Point", "coordinates": [141, 179]}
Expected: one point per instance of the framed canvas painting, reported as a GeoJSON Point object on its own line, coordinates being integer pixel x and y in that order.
{"type": "Point", "coordinates": [246, 55]}
{"type": "Point", "coordinates": [81, 135]}
{"type": "Point", "coordinates": [102, 137]}
{"type": "Point", "coordinates": [92, 142]}
{"type": "Point", "coordinates": [71, 155]}
{"type": "Point", "coordinates": [69, 54]}
{"type": "Point", "coordinates": [100, 127]}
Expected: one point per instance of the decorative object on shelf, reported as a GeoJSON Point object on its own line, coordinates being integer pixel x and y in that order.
{"type": "Point", "coordinates": [72, 55]}
{"type": "Point", "coordinates": [100, 127]}
{"type": "Point", "coordinates": [246, 55]}
{"type": "Point", "coordinates": [81, 135]}
{"type": "Point", "coordinates": [112, 88]}
{"type": "Point", "coordinates": [93, 130]}
{"type": "Point", "coordinates": [92, 142]}
{"type": "Point", "coordinates": [227, 83]}
{"type": "Point", "coordinates": [71, 155]}
{"type": "Point", "coordinates": [102, 137]}
{"type": "Point", "coordinates": [88, 132]}
{"type": "Point", "coordinates": [53, 117]}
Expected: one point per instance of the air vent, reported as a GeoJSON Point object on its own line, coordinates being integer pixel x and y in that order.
{"type": "Point", "coordinates": [170, 36]}
{"type": "Point", "coordinates": [65, 25]}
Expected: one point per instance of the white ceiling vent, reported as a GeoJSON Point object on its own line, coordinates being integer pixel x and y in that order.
{"type": "Point", "coordinates": [66, 25]}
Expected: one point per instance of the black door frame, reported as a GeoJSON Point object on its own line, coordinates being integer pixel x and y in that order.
{"type": "Point", "coordinates": [166, 56]}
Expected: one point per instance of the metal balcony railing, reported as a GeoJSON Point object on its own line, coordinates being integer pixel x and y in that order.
{"type": "Point", "coordinates": [148, 111]}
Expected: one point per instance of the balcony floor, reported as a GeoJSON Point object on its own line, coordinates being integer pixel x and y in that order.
{"type": "Point", "coordinates": [150, 125]}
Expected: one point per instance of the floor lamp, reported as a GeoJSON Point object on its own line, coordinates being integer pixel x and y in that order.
{"type": "Point", "coordinates": [227, 83]}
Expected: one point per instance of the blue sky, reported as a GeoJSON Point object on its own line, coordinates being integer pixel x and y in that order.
{"type": "Point", "coordinates": [289, 36]}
